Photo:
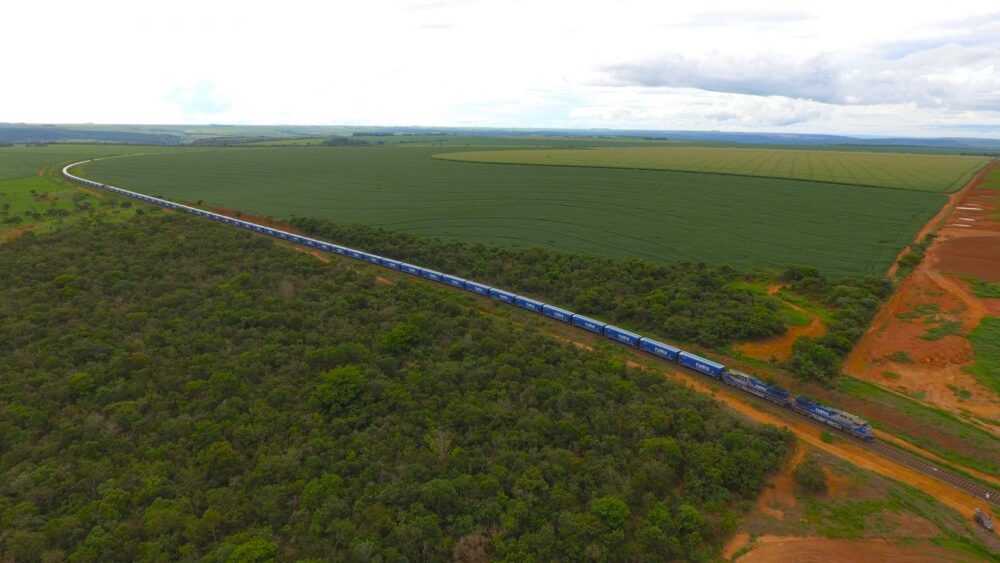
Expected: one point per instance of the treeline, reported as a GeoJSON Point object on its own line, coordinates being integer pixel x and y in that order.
{"type": "Point", "coordinates": [856, 301]}
{"type": "Point", "coordinates": [683, 301]}
{"type": "Point", "coordinates": [177, 390]}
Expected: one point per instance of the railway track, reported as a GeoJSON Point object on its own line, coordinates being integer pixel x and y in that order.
{"type": "Point", "coordinates": [982, 492]}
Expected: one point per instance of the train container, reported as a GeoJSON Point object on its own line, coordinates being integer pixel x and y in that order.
{"type": "Point", "coordinates": [528, 303]}
{"type": "Point", "coordinates": [697, 363]}
{"type": "Point", "coordinates": [659, 349]}
{"type": "Point", "coordinates": [357, 254]}
{"type": "Point", "coordinates": [587, 323]}
{"type": "Point", "coordinates": [477, 288]}
{"type": "Point", "coordinates": [409, 269]}
{"type": "Point", "coordinates": [377, 260]}
{"type": "Point", "coordinates": [557, 313]}
{"type": "Point", "coordinates": [340, 250]}
{"type": "Point", "coordinates": [621, 335]}
{"type": "Point", "coordinates": [431, 274]}
{"type": "Point", "coordinates": [501, 295]}
{"type": "Point", "coordinates": [453, 281]}
{"type": "Point", "coordinates": [392, 264]}
{"type": "Point", "coordinates": [828, 415]}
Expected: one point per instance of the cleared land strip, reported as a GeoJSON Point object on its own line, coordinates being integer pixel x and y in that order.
{"type": "Point", "coordinates": [921, 172]}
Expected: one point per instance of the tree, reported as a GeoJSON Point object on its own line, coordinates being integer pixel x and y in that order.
{"type": "Point", "coordinates": [810, 477]}
{"type": "Point", "coordinates": [610, 510]}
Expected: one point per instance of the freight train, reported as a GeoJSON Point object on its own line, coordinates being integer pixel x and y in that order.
{"type": "Point", "coordinates": [835, 418]}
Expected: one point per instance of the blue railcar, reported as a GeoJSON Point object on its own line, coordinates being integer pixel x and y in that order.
{"type": "Point", "coordinates": [392, 264]}
{"type": "Point", "coordinates": [557, 313]}
{"type": "Point", "coordinates": [377, 260]}
{"type": "Point", "coordinates": [697, 363]}
{"type": "Point", "coordinates": [340, 250]}
{"type": "Point", "coordinates": [477, 288]}
{"type": "Point", "coordinates": [528, 303]}
{"type": "Point", "coordinates": [659, 349]}
{"type": "Point", "coordinates": [355, 254]}
{"type": "Point", "coordinates": [453, 281]}
{"type": "Point", "coordinates": [409, 268]}
{"type": "Point", "coordinates": [838, 419]}
{"type": "Point", "coordinates": [587, 323]}
{"type": "Point", "coordinates": [501, 295]}
{"type": "Point", "coordinates": [431, 275]}
{"type": "Point", "coordinates": [621, 335]}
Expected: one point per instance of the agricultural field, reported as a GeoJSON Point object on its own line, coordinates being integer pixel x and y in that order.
{"type": "Point", "coordinates": [21, 161]}
{"type": "Point", "coordinates": [924, 172]}
{"type": "Point", "coordinates": [741, 221]}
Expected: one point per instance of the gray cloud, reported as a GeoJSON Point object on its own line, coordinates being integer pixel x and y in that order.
{"type": "Point", "coordinates": [960, 73]}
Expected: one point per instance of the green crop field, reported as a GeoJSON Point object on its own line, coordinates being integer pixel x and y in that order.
{"type": "Point", "coordinates": [925, 172]}
{"type": "Point", "coordinates": [21, 161]}
{"type": "Point", "coordinates": [745, 222]}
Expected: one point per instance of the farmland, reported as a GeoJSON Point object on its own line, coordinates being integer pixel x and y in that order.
{"type": "Point", "coordinates": [925, 172]}
{"type": "Point", "coordinates": [745, 222]}
{"type": "Point", "coordinates": [21, 161]}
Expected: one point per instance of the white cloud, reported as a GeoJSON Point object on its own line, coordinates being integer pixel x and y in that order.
{"type": "Point", "coordinates": [912, 68]}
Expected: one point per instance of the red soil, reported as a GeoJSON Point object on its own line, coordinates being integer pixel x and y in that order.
{"type": "Point", "coordinates": [936, 371]}
{"type": "Point", "coordinates": [247, 217]}
{"type": "Point", "coordinates": [14, 233]}
{"type": "Point", "coordinates": [823, 550]}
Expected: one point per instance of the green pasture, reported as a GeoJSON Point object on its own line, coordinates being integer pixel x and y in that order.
{"type": "Point", "coordinates": [41, 203]}
{"type": "Point", "coordinates": [745, 222]}
{"type": "Point", "coordinates": [924, 172]}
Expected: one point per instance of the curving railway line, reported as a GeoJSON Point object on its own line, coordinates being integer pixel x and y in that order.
{"type": "Point", "coordinates": [735, 379]}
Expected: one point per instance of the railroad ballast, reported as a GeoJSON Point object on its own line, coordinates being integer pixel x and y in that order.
{"type": "Point", "coordinates": [835, 418]}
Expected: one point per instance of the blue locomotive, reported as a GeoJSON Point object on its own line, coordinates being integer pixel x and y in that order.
{"type": "Point", "coordinates": [801, 404]}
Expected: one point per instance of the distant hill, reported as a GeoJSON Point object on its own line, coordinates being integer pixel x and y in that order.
{"type": "Point", "coordinates": [19, 133]}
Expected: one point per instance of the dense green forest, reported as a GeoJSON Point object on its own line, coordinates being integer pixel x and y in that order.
{"type": "Point", "coordinates": [855, 300]}
{"type": "Point", "coordinates": [174, 389]}
{"type": "Point", "coordinates": [683, 301]}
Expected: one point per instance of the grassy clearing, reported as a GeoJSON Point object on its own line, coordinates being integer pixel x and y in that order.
{"type": "Point", "coordinates": [985, 340]}
{"type": "Point", "coordinates": [979, 449]}
{"type": "Point", "coordinates": [983, 289]}
{"type": "Point", "coordinates": [794, 317]}
{"type": "Point", "coordinates": [43, 203]}
{"type": "Point", "coordinates": [823, 313]}
{"type": "Point", "coordinates": [944, 328]}
{"type": "Point", "coordinates": [743, 222]}
{"type": "Point", "coordinates": [934, 173]}
{"type": "Point", "coordinates": [900, 357]}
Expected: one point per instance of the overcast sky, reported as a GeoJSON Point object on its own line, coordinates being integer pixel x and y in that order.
{"type": "Point", "coordinates": [869, 68]}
